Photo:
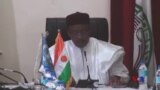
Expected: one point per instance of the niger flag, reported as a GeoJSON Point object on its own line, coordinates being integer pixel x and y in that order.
{"type": "Point", "coordinates": [61, 60]}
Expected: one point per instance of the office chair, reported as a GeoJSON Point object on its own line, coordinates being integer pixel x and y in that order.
{"type": "Point", "coordinates": [99, 27]}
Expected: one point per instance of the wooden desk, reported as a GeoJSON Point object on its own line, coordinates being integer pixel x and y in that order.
{"type": "Point", "coordinates": [106, 88]}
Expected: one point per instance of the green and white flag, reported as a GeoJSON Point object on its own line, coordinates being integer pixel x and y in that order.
{"type": "Point", "coordinates": [143, 38]}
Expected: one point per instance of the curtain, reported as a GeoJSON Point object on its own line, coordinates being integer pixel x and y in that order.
{"type": "Point", "coordinates": [156, 27]}
{"type": "Point", "coordinates": [122, 28]}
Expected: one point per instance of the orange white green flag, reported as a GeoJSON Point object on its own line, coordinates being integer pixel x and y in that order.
{"type": "Point", "coordinates": [61, 60]}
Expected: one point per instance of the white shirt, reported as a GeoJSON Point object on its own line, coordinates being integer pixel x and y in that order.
{"type": "Point", "coordinates": [103, 59]}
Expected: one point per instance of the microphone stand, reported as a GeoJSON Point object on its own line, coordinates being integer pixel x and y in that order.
{"type": "Point", "coordinates": [8, 78]}
{"type": "Point", "coordinates": [21, 87]}
{"type": "Point", "coordinates": [89, 78]}
{"type": "Point", "coordinates": [25, 80]}
{"type": "Point", "coordinates": [89, 83]}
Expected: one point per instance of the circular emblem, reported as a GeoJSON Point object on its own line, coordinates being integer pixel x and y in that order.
{"type": "Point", "coordinates": [143, 37]}
{"type": "Point", "coordinates": [63, 58]}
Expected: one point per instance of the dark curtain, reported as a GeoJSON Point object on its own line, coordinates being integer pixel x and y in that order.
{"type": "Point", "coordinates": [156, 27]}
{"type": "Point", "coordinates": [122, 28]}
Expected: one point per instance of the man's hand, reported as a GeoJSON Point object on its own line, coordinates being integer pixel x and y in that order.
{"type": "Point", "coordinates": [115, 81]}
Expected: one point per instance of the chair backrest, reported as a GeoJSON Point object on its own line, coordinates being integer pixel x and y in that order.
{"type": "Point", "coordinates": [99, 27]}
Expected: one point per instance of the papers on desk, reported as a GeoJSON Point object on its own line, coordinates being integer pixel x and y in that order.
{"type": "Point", "coordinates": [106, 88]}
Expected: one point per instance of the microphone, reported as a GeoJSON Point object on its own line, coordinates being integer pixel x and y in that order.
{"type": "Point", "coordinates": [8, 78]}
{"type": "Point", "coordinates": [89, 78]}
{"type": "Point", "coordinates": [88, 83]}
{"type": "Point", "coordinates": [20, 86]}
{"type": "Point", "coordinates": [4, 69]}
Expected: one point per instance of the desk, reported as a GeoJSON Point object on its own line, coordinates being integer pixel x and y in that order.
{"type": "Point", "coordinates": [12, 87]}
{"type": "Point", "coordinates": [106, 88]}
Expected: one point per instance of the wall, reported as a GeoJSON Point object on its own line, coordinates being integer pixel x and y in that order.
{"type": "Point", "coordinates": [8, 44]}
{"type": "Point", "coordinates": [30, 16]}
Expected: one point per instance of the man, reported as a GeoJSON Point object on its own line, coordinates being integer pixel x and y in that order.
{"type": "Point", "coordinates": [100, 60]}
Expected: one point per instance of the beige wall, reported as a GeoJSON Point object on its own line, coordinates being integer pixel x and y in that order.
{"type": "Point", "coordinates": [30, 16]}
{"type": "Point", "coordinates": [8, 43]}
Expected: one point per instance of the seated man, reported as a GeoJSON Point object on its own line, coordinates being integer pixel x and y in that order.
{"type": "Point", "coordinates": [91, 58]}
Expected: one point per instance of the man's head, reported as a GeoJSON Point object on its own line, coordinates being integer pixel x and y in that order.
{"type": "Point", "coordinates": [78, 28]}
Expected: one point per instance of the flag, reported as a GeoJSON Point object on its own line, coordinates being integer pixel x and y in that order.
{"type": "Point", "coordinates": [143, 38]}
{"type": "Point", "coordinates": [61, 60]}
{"type": "Point", "coordinates": [46, 61]}
{"type": "Point", "coordinates": [48, 77]}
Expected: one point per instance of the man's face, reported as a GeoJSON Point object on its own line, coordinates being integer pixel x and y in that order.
{"type": "Point", "coordinates": [79, 34]}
